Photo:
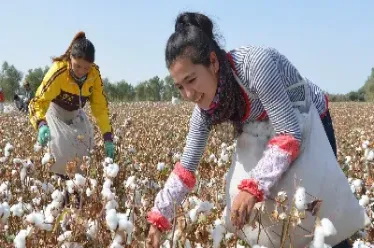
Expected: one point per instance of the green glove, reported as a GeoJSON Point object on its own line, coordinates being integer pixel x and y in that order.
{"type": "Point", "coordinates": [44, 135]}
{"type": "Point", "coordinates": [109, 149]}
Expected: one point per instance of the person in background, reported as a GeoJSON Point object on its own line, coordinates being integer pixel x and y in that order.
{"type": "Point", "coordinates": [245, 85]}
{"type": "Point", "coordinates": [2, 100]}
{"type": "Point", "coordinates": [56, 111]}
{"type": "Point", "coordinates": [27, 95]}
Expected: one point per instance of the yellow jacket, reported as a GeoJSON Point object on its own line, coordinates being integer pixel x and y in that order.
{"type": "Point", "coordinates": [58, 86]}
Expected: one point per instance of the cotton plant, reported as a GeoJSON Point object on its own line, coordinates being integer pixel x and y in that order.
{"type": "Point", "coordinates": [20, 208]}
{"type": "Point", "coordinates": [5, 191]}
{"type": "Point", "coordinates": [76, 184]}
{"type": "Point", "coordinates": [92, 188]}
{"type": "Point", "coordinates": [39, 221]}
{"type": "Point", "coordinates": [20, 239]}
{"type": "Point", "coordinates": [111, 170]}
{"type": "Point", "coordinates": [8, 149]}
{"type": "Point", "coordinates": [4, 212]}
{"type": "Point", "coordinates": [26, 165]}
{"type": "Point", "coordinates": [53, 208]}
{"type": "Point", "coordinates": [161, 166]}
{"type": "Point", "coordinates": [324, 228]}
{"type": "Point", "coordinates": [202, 207]}
{"type": "Point", "coordinates": [218, 233]}
{"type": "Point", "coordinates": [47, 158]}
{"type": "Point", "coordinates": [119, 222]}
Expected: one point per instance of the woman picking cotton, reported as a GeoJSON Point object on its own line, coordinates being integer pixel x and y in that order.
{"type": "Point", "coordinates": [250, 87]}
{"type": "Point", "coordinates": [57, 112]}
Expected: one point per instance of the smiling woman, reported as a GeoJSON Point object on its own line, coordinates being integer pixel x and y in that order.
{"type": "Point", "coordinates": [251, 87]}
{"type": "Point", "coordinates": [57, 113]}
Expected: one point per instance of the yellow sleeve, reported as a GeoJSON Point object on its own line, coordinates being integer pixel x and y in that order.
{"type": "Point", "coordinates": [48, 90]}
{"type": "Point", "coordinates": [99, 107]}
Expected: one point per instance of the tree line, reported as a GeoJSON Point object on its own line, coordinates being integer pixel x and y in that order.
{"type": "Point", "coordinates": [153, 89]}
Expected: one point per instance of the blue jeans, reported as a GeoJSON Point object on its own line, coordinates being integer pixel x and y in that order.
{"type": "Point", "coordinates": [329, 129]}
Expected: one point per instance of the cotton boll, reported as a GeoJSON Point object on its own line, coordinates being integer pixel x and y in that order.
{"type": "Point", "coordinates": [193, 214]}
{"type": "Point", "coordinates": [130, 183]}
{"type": "Point", "coordinates": [65, 236]}
{"type": "Point", "coordinates": [113, 204]}
{"type": "Point", "coordinates": [92, 229]}
{"type": "Point", "coordinates": [224, 157]}
{"type": "Point", "coordinates": [348, 159]}
{"type": "Point", "coordinates": [160, 166]}
{"type": "Point", "coordinates": [70, 186]}
{"type": "Point", "coordinates": [46, 226]}
{"type": "Point", "coordinates": [36, 201]}
{"type": "Point", "coordinates": [328, 227]}
{"type": "Point", "coordinates": [107, 194]}
{"type": "Point", "coordinates": [46, 158]}
{"type": "Point", "coordinates": [353, 188]}
{"type": "Point", "coordinates": [205, 206]}
{"type": "Point", "coordinates": [57, 196]}
{"type": "Point", "coordinates": [37, 147]}
{"type": "Point", "coordinates": [17, 209]}
{"type": "Point", "coordinates": [212, 158]}
{"type": "Point", "coordinates": [370, 156]}
{"type": "Point", "coordinates": [20, 239]}
{"type": "Point", "coordinates": [79, 180]}
{"type": "Point", "coordinates": [8, 149]}
{"type": "Point", "coordinates": [111, 219]}
{"type": "Point", "coordinates": [107, 184]}
{"type": "Point", "coordinates": [48, 188]}
{"type": "Point", "coordinates": [228, 236]}
{"type": "Point", "coordinates": [319, 238]}
{"type": "Point", "coordinates": [218, 233]}
{"type": "Point", "coordinates": [4, 212]}
{"type": "Point", "coordinates": [300, 198]}
{"type": "Point", "coordinates": [187, 244]}
{"type": "Point", "coordinates": [125, 225]}
{"type": "Point", "coordinates": [357, 183]}
{"type": "Point", "coordinates": [111, 170]}
{"type": "Point", "coordinates": [108, 160]}
{"type": "Point", "coordinates": [364, 201]}
{"type": "Point", "coordinates": [23, 173]}
{"type": "Point", "coordinates": [365, 144]}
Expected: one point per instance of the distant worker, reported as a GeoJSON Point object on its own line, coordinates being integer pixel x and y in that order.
{"type": "Point", "coordinates": [57, 112]}
{"type": "Point", "coordinates": [2, 100]}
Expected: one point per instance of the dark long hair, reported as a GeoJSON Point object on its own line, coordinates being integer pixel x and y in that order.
{"type": "Point", "coordinates": [79, 48]}
{"type": "Point", "coordinates": [194, 39]}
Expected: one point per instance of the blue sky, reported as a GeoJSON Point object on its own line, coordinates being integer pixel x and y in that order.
{"type": "Point", "coordinates": [330, 42]}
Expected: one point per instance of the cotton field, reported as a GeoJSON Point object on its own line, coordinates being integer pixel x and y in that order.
{"type": "Point", "coordinates": [106, 205]}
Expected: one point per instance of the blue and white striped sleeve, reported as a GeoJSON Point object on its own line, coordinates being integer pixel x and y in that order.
{"type": "Point", "coordinates": [268, 83]}
{"type": "Point", "coordinates": [283, 148]}
{"type": "Point", "coordinates": [197, 137]}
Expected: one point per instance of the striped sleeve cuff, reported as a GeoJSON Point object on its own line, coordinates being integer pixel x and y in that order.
{"type": "Point", "coordinates": [179, 184]}
{"type": "Point", "coordinates": [282, 150]}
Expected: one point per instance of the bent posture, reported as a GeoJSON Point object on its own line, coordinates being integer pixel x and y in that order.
{"type": "Point", "coordinates": [57, 112]}
{"type": "Point", "coordinates": [246, 85]}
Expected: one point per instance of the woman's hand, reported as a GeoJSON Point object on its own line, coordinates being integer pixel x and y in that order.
{"type": "Point", "coordinates": [242, 208]}
{"type": "Point", "coordinates": [154, 236]}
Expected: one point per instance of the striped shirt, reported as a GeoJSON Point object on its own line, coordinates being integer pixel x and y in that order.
{"type": "Point", "coordinates": [266, 74]}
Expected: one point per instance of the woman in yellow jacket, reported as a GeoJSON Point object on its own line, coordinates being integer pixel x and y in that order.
{"type": "Point", "coordinates": [57, 113]}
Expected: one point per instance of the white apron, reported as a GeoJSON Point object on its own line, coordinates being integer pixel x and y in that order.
{"type": "Point", "coordinates": [71, 136]}
{"type": "Point", "coordinates": [319, 171]}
